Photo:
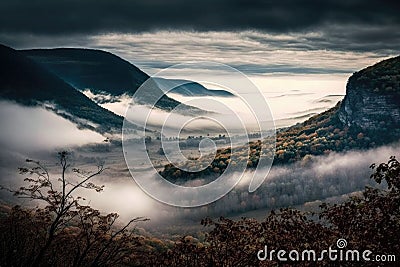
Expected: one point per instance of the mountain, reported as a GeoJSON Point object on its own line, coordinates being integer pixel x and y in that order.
{"type": "Point", "coordinates": [103, 73]}
{"type": "Point", "coordinates": [367, 117]}
{"type": "Point", "coordinates": [372, 100]}
{"type": "Point", "coordinates": [189, 88]}
{"type": "Point", "coordinates": [24, 81]}
{"type": "Point", "coordinates": [99, 71]}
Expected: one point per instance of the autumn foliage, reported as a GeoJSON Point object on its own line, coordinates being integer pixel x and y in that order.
{"type": "Point", "coordinates": [83, 236]}
{"type": "Point", "coordinates": [62, 231]}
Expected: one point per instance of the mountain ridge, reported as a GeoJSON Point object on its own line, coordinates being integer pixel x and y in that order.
{"type": "Point", "coordinates": [328, 131]}
{"type": "Point", "coordinates": [26, 82]}
{"type": "Point", "coordinates": [189, 88]}
{"type": "Point", "coordinates": [100, 71]}
{"type": "Point", "coordinates": [103, 72]}
{"type": "Point", "coordinates": [93, 69]}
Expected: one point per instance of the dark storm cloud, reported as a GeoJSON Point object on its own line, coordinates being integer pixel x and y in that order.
{"type": "Point", "coordinates": [94, 16]}
{"type": "Point", "coordinates": [246, 34]}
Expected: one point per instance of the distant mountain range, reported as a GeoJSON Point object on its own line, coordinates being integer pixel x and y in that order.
{"type": "Point", "coordinates": [189, 88]}
{"type": "Point", "coordinates": [26, 82]}
{"type": "Point", "coordinates": [99, 71]}
{"type": "Point", "coordinates": [57, 77]}
{"type": "Point", "coordinates": [106, 73]}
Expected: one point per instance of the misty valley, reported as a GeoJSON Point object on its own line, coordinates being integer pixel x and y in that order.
{"type": "Point", "coordinates": [103, 164]}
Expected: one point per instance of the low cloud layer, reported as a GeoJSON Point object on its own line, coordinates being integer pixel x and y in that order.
{"type": "Point", "coordinates": [27, 129]}
{"type": "Point", "coordinates": [291, 185]}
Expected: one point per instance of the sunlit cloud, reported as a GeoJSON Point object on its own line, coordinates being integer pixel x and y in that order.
{"type": "Point", "coordinates": [252, 52]}
{"type": "Point", "coordinates": [249, 51]}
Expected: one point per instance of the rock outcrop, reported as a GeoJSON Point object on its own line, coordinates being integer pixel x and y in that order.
{"type": "Point", "coordinates": [372, 100]}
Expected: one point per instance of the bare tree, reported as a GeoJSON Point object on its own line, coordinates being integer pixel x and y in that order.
{"type": "Point", "coordinates": [93, 238]}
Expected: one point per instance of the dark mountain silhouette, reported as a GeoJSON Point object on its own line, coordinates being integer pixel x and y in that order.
{"type": "Point", "coordinates": [100, 71]}
{"type": "Point", "coordinates": [189, 88]}
{"type": "Point", "coordinates": [105, 73]}
{"type": "Point", "coordinates": [27, 82]}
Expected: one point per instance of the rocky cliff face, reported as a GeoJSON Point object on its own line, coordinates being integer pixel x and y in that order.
{"type": "Point", "coordinates": [372, 100]}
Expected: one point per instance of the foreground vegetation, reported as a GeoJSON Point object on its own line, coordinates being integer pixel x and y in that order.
{"type": "Point", "coordinates": [67, 233]}
{"type": "Point", "coordinates": [369, 221]}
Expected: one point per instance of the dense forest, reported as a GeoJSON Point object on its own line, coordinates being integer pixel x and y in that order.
{"type": "Point", "coordinates": [367, 117]}
{"type": "Point", "coordinates": [319, 135]}
{"type": "Point", "coordinates": [66, 232]}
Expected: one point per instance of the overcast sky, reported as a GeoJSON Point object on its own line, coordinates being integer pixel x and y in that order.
{"type": "Point", "coordinates": [257, 37]}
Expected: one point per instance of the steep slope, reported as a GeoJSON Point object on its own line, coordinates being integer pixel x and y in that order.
{"type": "Point", "coordinates": [372, 99]}
{"type": "Point", "coordinates": [102, 72]}
{"type": "Point", "coordinates": [366, 118]}
{"type": "Point", "coordinates": [189, 88]}
{"type": "Point", "coordinates": [24, 81]}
